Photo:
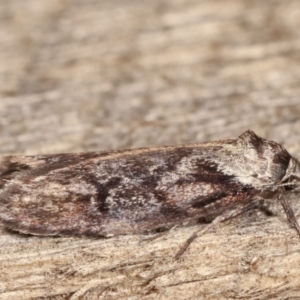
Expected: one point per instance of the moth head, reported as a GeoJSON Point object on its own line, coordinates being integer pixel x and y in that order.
{"type": "Point", "coordinates": [271, 162]}
{"type": "Point", "coordinates": [291, 178]}
{"type": "Point", "coordinates": [265, 149]}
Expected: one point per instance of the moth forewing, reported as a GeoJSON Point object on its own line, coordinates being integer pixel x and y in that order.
{"type": "Point", "coordinates": [140, 190]}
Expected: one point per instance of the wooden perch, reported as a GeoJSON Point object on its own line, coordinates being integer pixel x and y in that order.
{"type": "Point", "coordinates": [251, 257]}
{"type": "Point", "coordinates": [100, 75]}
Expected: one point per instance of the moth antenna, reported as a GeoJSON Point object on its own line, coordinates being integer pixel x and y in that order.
{"type": "Point", "coordinates": [280, 184]}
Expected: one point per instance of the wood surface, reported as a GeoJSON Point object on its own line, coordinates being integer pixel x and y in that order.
{"type": "Point", "coordinates": [91, 75]}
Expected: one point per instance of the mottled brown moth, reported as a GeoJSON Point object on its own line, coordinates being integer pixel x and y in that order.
{"type": "Point", "coordinates": [140, 190]}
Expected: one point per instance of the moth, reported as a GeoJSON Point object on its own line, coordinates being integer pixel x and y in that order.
{"type": "Point", "coordinates": [141, 190]}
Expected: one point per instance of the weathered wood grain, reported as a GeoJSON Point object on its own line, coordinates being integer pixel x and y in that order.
{"type": "Point", "coordinates": [95, 75]}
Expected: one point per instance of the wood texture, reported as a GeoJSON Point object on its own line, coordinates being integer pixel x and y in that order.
{"type": "Point", "coordinates": [97, 75]}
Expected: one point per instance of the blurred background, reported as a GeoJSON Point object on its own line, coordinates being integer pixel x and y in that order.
{"type": "Point", "coordinates": [94, 75]}
{"type": "Point", "coordinates": [89, 75]}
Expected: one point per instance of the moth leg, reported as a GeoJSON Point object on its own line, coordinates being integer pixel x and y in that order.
{"type": "Point", "coordinates": [289, 213]}
{"type": "Point", "coordinates": [227, 215]}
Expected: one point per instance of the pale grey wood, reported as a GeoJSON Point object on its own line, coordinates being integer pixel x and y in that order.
{"type": "Point", "coordinates": [98, 75]}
